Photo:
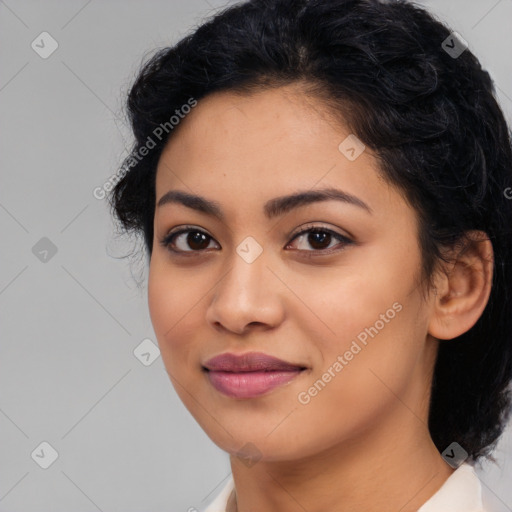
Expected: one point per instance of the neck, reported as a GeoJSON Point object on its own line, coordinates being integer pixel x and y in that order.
{"type": "Point", "coordinates": [388, 468]}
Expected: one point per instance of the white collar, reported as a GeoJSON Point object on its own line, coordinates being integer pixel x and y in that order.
{"type": "Point", "coordinates": [461, 492]}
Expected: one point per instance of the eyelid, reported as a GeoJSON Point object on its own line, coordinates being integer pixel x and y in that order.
{"type": "Point", "coordinates": [313, 226]}
{"type": "Point", "coordinates": [185, 227]}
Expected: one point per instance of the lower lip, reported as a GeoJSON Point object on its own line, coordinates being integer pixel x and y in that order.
{"type": "Point", "coordinates": [250, 384]}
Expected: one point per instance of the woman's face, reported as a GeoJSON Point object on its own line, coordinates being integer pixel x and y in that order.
{"type": "Point", "coordinates": [342, 306]}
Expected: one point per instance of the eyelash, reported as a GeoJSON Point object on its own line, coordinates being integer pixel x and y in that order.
{"type": "Point", "coordinates": [167, 241]}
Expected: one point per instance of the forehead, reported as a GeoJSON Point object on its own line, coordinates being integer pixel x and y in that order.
{"type": "Point", "coordinates": [245, 149]}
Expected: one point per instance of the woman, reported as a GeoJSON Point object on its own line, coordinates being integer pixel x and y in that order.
{"type": "Point", "coordinates": [321, 188]}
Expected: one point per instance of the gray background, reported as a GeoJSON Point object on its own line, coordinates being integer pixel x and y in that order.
{"type": "Point", "coordinates": [69, 325]}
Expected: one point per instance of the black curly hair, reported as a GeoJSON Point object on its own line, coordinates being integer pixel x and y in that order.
{"type": "Point", "coordinates": [429, 115]}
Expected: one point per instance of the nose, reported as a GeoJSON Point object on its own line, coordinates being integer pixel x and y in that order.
{"type": "Point", "coordinates": [248, 296]}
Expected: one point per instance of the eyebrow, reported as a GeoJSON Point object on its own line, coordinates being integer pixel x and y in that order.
{"type": "Point", "coordinates": [272, 208]}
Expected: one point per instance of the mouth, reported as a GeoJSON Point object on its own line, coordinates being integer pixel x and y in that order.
{"type": "Point", "coordinates": [249, 375]}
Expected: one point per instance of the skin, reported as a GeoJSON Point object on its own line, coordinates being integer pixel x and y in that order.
{"type": "Point", "coordinates": [362, 442]}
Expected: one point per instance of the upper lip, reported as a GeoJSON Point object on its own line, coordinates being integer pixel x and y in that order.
{"type": "Point", "coordinates": [249, 362]}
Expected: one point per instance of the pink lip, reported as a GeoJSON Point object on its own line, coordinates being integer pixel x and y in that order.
{"type": "Point", "coordinates": [249, 375]}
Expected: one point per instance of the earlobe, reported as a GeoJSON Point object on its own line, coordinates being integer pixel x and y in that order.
{"type": "Point", "coordinates": [462, 288]}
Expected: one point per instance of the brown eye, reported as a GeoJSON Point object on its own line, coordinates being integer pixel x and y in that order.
{"type": "Point", "coordinates": [319, 239]}
{"type": "Point", "coordinates": [187, 240]}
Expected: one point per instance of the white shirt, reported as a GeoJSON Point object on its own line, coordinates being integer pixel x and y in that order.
{"type": "Point", "coordinates": [461, 492]}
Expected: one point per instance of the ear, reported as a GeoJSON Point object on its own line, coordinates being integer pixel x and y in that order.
{"type": "Point", "coordinates": [462, 288]}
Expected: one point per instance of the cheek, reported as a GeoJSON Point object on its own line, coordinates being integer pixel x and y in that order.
{"type": "Point", "coordinates": [372, 316]}
{"type": "Point", "coordinates": [171, 301]}
{"type": "Point", "coordinates": [162, 299]}
{"type": "Point", "coordinates": [338, 304]}
{"type": "Point", "coordinates": [371, 380]}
